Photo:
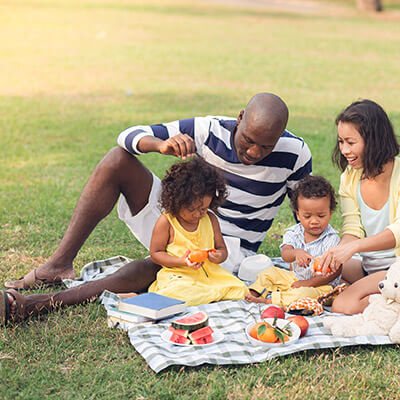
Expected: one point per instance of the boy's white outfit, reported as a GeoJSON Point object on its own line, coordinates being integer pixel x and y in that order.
{"type": "Point", "coordinates": [279, 281]}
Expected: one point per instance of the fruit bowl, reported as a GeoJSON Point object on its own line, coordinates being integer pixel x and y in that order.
{"type": "Point", "coordinates": [280, 323]}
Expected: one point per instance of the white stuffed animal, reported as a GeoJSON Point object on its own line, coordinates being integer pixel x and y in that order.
{"type": "Point", "coordinates": [382, 315]}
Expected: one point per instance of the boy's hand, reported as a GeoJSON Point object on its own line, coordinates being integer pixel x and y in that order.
{"type": "Point", "coordinates": [297, 284]}
{"type": "Point", "coordinates": [303, 259]}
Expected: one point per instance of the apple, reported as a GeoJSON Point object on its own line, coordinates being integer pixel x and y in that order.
{"type": "Point", "coordinates": [273, 311]}
{"type": "Point", "coordinates": [301, 322]}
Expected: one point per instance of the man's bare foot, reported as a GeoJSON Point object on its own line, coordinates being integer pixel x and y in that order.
{"type": "Point", "coordinates": [254, 299]}
{"type": "Point", "coordinates": [45, 275]}
{"type": "Point", "coordinates": [13, 305]}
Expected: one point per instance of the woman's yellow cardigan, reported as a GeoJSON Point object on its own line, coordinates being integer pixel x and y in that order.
{"type": "Point", "coordinates": [351, 211]}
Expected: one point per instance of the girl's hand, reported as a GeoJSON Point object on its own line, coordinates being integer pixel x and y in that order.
{"type": "Point", "coordinates": [190, 264]}
{"type": "Point", "coordinates": [215, 256]}
{"type": "Point", "coordinates": [303, 259]}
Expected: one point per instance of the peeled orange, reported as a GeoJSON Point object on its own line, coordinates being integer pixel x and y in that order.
{"type": "Point", "coordinates": [198, 255]}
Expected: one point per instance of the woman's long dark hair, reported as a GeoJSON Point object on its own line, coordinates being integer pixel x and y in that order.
{"type": "Point", "coordinates": [374, 126]}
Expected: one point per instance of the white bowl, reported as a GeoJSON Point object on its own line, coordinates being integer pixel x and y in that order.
{"type": "Point", "coordinates": [280, 323]}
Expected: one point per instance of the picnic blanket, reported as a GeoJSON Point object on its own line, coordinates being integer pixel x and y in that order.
{"type": "Point", "coordinates": [227, 317]}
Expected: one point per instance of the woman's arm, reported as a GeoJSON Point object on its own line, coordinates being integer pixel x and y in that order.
{"type": "Point", "coordinates": [350, 245]}
{"type": "Point", "coordinates": [221, 253]}
{"type": "Point", "coordinates": [159, 241]}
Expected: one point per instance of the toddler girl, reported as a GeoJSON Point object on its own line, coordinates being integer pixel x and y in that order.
{"type": "Point", "coordinates": [189, 190]}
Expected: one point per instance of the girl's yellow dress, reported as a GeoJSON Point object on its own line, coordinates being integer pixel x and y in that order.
{"type": "Point", "coordinates": [193, 286]}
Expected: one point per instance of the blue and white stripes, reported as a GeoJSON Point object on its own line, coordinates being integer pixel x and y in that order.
{"type": "Point", "coordinates": [255, 192]}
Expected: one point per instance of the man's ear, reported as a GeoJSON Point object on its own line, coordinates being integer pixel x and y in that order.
{"type": "Point", "coordinates": [240, 117]}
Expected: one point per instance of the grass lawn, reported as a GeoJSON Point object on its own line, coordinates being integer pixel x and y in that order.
{"type": "Point", "coordinates": [74, 74]}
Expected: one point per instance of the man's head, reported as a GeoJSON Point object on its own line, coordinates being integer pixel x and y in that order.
{"type": "Point", "coordinates": [259, 127]}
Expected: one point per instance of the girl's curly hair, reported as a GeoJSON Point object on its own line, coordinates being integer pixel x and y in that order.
{"type": "Point", "coordinates": [313, 186]}
{"type": "Point", "coordinates": [186, 182]}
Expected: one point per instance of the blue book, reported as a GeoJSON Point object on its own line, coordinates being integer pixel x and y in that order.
{"type": "Point", "coordinates": [127, 316]}
{"type": "Point", "coordinates": [152, 305]}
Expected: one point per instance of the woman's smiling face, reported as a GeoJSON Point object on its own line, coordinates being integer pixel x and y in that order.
{"type": "Point", "coordinates": [351, 144]}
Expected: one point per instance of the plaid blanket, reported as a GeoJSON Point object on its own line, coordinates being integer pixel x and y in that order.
{"type": "Point", "coordinates": [227, 317]}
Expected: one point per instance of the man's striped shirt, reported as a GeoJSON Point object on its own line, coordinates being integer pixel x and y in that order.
{"type": "Point", "coordinates": [255, 192]}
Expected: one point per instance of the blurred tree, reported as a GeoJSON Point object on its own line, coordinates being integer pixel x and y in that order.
{"type": "Point", "coordinates": [369, 5]}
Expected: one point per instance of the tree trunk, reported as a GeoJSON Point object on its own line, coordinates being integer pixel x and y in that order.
{"type": "Point", "coordinates": [369, 5]}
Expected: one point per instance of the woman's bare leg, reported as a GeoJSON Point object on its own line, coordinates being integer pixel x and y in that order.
{"type": "Point", "coordinates": [355, 298]}
{"type": "Point", "coordinates": [352, 271]}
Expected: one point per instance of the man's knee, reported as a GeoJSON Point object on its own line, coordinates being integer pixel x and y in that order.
{"type": "Point", "coordinates": [140, 274]}
{"type": "Point", "coordinates": [118, 159]}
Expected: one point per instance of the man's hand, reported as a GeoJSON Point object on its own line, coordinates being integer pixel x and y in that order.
{"type": "Point", "coordinates": [303, 259]}
{"type": "Point", "coordinates": [181, 146]}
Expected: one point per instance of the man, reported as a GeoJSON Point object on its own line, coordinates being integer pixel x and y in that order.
{"type": "Point", "coordinates": [260, 160]}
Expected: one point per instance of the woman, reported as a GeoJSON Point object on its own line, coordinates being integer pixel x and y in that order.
{"type": "Point", "coordinates": [366, 152]}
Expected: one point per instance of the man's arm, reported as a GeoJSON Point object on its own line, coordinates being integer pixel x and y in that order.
{"type": "Point", "coordinates": [173, 138]}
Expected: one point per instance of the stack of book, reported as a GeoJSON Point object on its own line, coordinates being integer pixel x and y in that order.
{"type": "Point", "coordinates": [145, 308]}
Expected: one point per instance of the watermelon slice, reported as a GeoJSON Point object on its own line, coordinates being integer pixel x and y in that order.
{"type": "Point", "coordinates": [180, 332]}
{"type": "Point", "coordinates": [204, 340]}
{"type": "Point", "coordinates": [202, 335]}
{"type": "Point", "coordinates": [179, 339]}
{"type": "Point", "coordinates": [192, 322]}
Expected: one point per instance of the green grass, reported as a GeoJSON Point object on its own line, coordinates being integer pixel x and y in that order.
{"type": "Point", "coordinates": [65, 72]}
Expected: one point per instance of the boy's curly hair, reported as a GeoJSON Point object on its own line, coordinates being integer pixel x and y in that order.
{"type": "Point", "coordinates": [186, 182]}
{"type": "Point", "coordinates": [313, 186]}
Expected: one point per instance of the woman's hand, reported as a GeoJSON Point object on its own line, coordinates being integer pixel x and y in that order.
{"type": "Point", "coordinates": [336, 256]}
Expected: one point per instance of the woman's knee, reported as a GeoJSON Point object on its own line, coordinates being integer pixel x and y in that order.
{"type": "Point", "coordinates": [346, 304]}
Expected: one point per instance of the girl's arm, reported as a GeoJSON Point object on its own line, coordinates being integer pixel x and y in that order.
{"type": "Point", "coordinates": [159, 241]}
{"type": "Point", "coordinates": [221, 253]}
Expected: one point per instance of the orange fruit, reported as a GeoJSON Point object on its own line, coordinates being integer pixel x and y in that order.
{"type": "Point", "coordinates": [198, 255]}
{"type": "Point", "coordinates": [318, 268]}
{"type": "Point", "coordinates": [268, 336]}
{"type": "Point", "coordinates": [254, 329]}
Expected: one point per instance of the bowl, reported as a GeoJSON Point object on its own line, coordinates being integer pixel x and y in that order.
{"type": "Point", "coordinates": [280, 323]}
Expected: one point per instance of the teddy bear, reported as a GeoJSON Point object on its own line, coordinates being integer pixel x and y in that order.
{"type": "Point", "coordinates": [380, 317]}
